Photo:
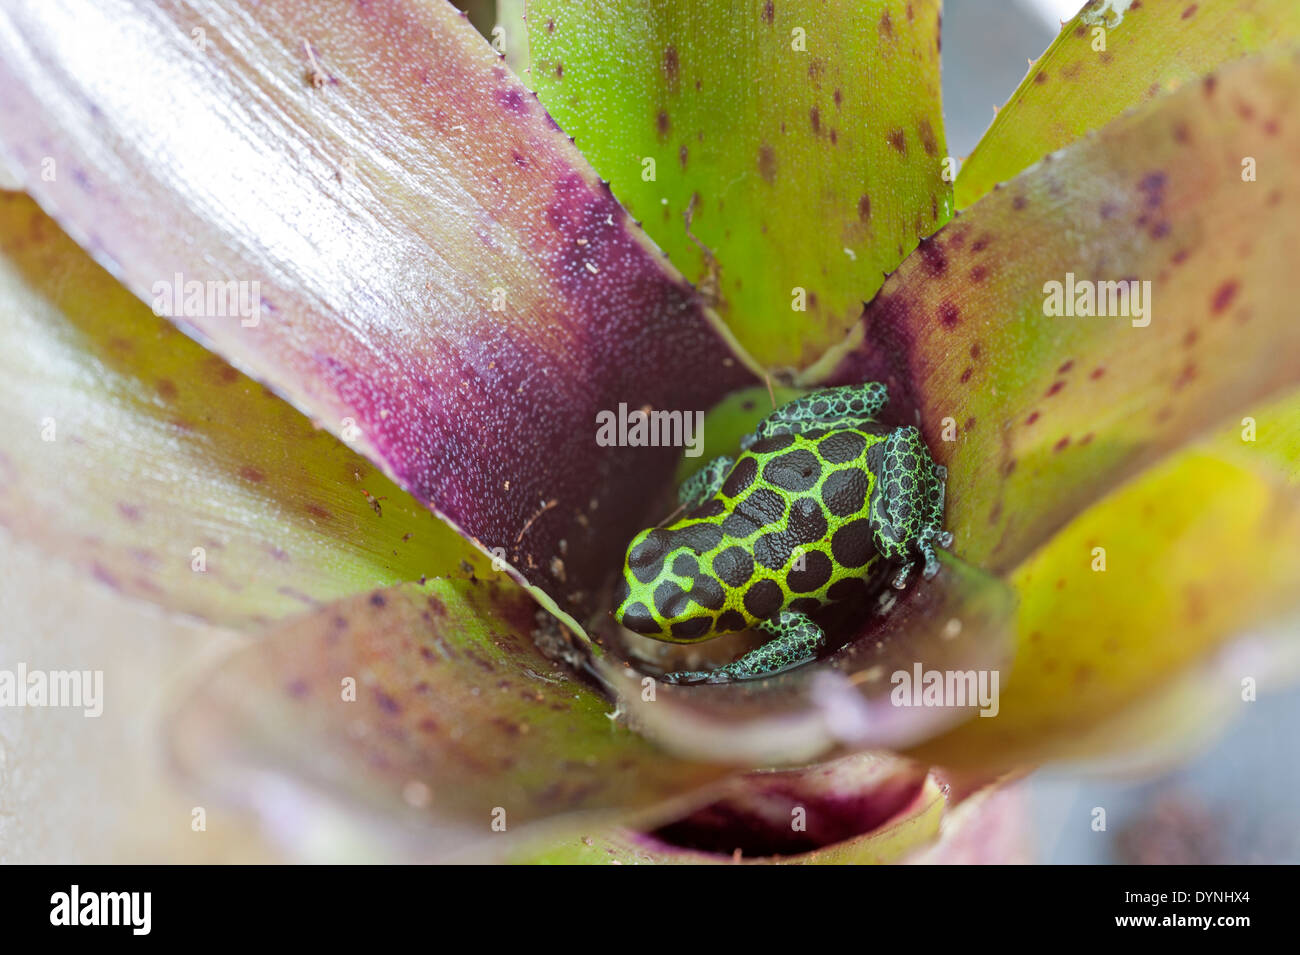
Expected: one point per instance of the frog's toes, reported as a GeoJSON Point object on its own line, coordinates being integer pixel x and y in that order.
{"type": "Point", "coordinates": [688, 677]}
{"type": "Point", "coordinates": [901, 577]}
{"type": "Point", "coordinates": [931, 567]}
{"type": "Point", "coordinates": [930, 539]}
{"type": "Point", "coordinates": [925, 549]}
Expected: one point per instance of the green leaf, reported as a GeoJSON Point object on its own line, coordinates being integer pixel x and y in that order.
{"type": "Point", "coordinates": [1140, 589]}
{"type": "Point", "coordinates": [1267, 439]}
{"type": "Point", "coordinates": [1037, 415]}
{"type": "Point", "coordinates": [167, 474]}
{"type": "Point", "coordinates": [730, 420]}
{"type": "Point", "coordinates": [428, 715]}
{"type": "Point", "coordinates": [435, 263]}
{"type": "Point", "coordinates": [795, 145]}
{"type": "Point", "coordinates": [1114, 55]}
{"type": "Point", "coordinates": [514, 35]}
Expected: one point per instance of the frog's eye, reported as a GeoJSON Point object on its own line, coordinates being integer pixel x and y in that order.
{"type": "Point", "coordinates": [645, 557]}
{"type": "Point", "coordinates": [638, 619]}
{"type": "Point", "coordinates": [671, 601]}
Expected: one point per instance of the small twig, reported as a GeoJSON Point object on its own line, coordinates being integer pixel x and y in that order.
{"type": "Point", "coordinates": [545, 507]}
{"type": "Point", "coordinates": [676, 511]}
{"type": "Point", "coordinates": [315, 75]}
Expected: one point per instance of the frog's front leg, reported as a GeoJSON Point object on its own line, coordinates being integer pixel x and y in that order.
{"type": "Point", "coordinates": [796, 639]}
{"type": "Point", "coordinates": [704, 483]}
{"type": "Point", "coordinates": [844, 406]}
{"type": "Point", "coordinates": [907, 505]}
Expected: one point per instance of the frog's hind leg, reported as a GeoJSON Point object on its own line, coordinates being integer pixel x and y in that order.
{"type": "Point", "coordinates": [704, 483]}
{"type": "Point", "coordinates": [907, 507]}
{"type": "Point", "coordinates": [845, 406]}
{"type": "Point", "coordinates": [796, 639]}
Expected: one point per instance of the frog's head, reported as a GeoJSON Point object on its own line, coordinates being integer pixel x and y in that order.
{"type": "Point", "coordinates": [663, 591]}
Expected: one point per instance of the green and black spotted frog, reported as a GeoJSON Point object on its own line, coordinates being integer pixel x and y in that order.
{"type": "Point", "coordinates": [820, 494]}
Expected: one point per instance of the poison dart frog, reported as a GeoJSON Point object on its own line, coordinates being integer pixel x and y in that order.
{"type": "Point", "coordinates": [820, 494]}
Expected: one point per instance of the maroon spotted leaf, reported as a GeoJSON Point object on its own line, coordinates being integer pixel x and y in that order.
{"type": "Point", "coordinates": [167, 475]}
{"type": "Point", "coordinates": [422, 262]}
{"type": "Point", "coordinates": [431, 717]}
{"type": "Point", "coordinates": [1100, 309]}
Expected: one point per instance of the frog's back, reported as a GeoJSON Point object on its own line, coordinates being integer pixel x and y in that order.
{"type": "Point", "coordinates": [788, 529]}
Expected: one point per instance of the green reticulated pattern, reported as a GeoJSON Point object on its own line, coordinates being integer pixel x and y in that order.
{"type": "Point", "coordinates": [789, 529]}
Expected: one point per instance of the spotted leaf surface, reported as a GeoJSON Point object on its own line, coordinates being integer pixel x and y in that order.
{"type": "Point", "coordinates": [167, 474]}
{"type": "Point", "coordinates": [427, 712]}
{"type": "Point", "coordinates": [1035, 413]}
{"type": "Point", "coordinates": [1112, 56]}
{"type": "Point", "coordinates": [435, 263]}
{"type": "Point", "coordinates": [1152, 581]}
{"type": "Point", "coordinates": [784, 154]}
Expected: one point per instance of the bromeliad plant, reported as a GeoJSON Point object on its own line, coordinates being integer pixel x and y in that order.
{"type": "Point", "coordinates": [434, 272]}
